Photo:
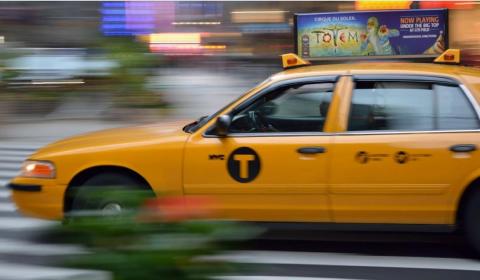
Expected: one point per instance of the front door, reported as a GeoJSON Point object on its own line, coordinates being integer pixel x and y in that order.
{"type": "Point", "coordinates": [273, 165]}
{"type": "Point", "coordinates": [409, 143]}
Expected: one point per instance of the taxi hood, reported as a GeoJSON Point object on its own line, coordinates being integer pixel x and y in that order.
{"type": "Point", "coordinates": [116, 138]}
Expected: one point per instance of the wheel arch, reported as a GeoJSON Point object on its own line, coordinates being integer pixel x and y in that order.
{"type": "Point", "coordinates": [82, 176]}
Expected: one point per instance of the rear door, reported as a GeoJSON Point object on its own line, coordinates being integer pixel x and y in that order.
{"type": "Point", "coordinates": [409, 142]}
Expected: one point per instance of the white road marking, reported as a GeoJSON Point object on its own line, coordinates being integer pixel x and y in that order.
{"type": "Point", "coordinates": [13, 145]}
{"type": "Point", "coordinates": [5, 193]}
{"type": "Point", "coordinates": [3, 183]}
{"type": "Point", "coordinates": [15, 158]}
{"type": "Point", "coordinates": [15, 152]}
{"type": "Point", "coordinates": [276, 278]}
{"type": "Point", "coordinates": [9, 271]}
{"type": "Point", "coordinates": [340, 259]}
{"type": "Point", "coordinates": [11, 166]}
{"type": "Point", "coordinates": [15, 223]}
{"type": "Point", "coordinates": [11, 246]}
{"type": "Point", "coordinates": [8, 174]}
{"type": "Point", "coordinates": [7, 207]}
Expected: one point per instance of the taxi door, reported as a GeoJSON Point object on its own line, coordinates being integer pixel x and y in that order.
{"type": "Point", "coordinates": [408, 143]}
{"type": "Point", "coordinates": [273, 164]}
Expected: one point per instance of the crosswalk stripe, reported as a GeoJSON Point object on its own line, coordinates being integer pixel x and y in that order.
{"type": "Point", "coordinates": [13, 145]}
{"type": "Point", "coordinates": [15, 223]}
{"type": "Point", "coordinates": [7, 207]}
{"type": "Point", "coordinates": [8, 173]}
{"type": "Point", "coordinates": [10, 166]}
{"type": "Point", "coordinates": [3, 183]}
{"type": "Point", "coordinates": [11, 246]}
{"type": "Point", "coordinates": [340, 259]}
{"type": "Point", "coordinates": [16, 158]}
{"type": "Point", "coordinates": [4, 152]}
{"type": "Point", "coordinates": [5, 193]}
{"type": "Point", "coordinates": [10, 271]}
{"type": "Point", "coordinates": [275, 278]}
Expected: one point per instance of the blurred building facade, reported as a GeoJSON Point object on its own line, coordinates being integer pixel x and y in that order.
{"type": "Point", "coordinates": [219, 48]}
{"type": "Point", "coordinates": [262, 29]}
{"type": "Point", "coordinates": [227, 28]}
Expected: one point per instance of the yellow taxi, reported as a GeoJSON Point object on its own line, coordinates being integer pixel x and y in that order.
{"type": "Point", "coordinates": [374, 143]}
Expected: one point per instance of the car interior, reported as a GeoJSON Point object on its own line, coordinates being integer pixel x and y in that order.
{"type": "Point", "coordinates": [300, 108]}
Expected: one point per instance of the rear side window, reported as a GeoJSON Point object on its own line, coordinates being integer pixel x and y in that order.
{"type": "Point", "coordinates": [454, 109]}
{"type": "Point", "coordinates": [409, 106]}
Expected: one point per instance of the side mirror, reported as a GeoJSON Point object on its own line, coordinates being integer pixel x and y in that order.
{"type": "Point", "coordinates": [222, 125]}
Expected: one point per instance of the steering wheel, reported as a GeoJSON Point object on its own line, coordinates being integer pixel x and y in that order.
{"type": "Point", "coordinates": [258, 123]}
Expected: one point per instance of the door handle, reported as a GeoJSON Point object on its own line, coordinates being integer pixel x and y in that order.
{"type": "Point", "coordinates": [463, 148]}
{"type": "Point", "coordinates": [311, 150]}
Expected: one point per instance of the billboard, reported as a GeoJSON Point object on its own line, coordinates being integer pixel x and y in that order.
{"type": "Point", "coordinates": [406, 33]}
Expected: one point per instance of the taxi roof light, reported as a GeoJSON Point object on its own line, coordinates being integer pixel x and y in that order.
{"type": "Point", "coordinates": [450, 56]}
{"type": "Point", "coordinates": [291, 60]}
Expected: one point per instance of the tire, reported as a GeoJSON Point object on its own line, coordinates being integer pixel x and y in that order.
{"type": "Point", "coordinates": [100, 194]}
{"type": "Point", "coordinates": [471, 221]}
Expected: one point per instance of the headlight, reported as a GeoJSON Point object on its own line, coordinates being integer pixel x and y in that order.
{"type": "Point", "coordinates": [37, 169]}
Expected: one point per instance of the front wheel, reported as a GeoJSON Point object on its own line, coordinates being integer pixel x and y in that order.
{"type": "Point", "coordinates": [108, 194]}
{"type": "Point", "coordinates": [471, 221]}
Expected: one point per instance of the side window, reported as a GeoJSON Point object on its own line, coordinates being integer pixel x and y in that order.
{"type": "Point", "coordinates": [454, 109]}
{"type": "Point", "coordinates": [391, 106]}
{"type": "Point", "coordinates": [300, 108]}
{"type": "Point", "coordinates": [409, 106]}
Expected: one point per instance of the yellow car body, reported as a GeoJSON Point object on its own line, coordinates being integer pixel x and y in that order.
{"type": "Point", "coordinates": [358, 178]}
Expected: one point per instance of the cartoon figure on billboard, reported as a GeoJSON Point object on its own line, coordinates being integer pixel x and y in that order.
{"type": "Point", "coordinates": [438, 47]}
{"type": "Point", "coordinates": [378, 37]}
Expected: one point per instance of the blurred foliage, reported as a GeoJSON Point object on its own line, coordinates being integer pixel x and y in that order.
{"type": "Point", "coordinates": [129, 78]}
{"type": "Point", "coordinates": [146, 243]}
{"type": "Point", "coordinates": [126, 84]}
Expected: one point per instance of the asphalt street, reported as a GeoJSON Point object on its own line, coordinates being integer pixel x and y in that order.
{"type": "Point", "coordinates": [302, 255]}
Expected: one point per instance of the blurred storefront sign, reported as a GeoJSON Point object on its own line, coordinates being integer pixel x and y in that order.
{"type": "Point", "coordinates": [266, 28]}
{"type": "Point", "coordinates": [452, 5]}
{"type": "Point", "coordinates": [136, 18]}
{"type": "Point", "coordinates": [182, 44]}
{"type": "Point", "coordinates": [198, 11]}
{"type": "Point", "coordinates": [382, 5]}
{"type": "Point", "coordinates": [133, 18]}
{"type": "Point", "coordinates": [256, 16]}
{"type": "Point", "coordinates": [175, 38]}
{"type": "Point", "coordinates": [185, 49]}
{"type": "Point", "coordinates": [407, 33]}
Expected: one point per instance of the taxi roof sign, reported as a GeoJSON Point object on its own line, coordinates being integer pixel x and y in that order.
{"type": "Point", "coordinates": [389, 34]}
{"type": "Point", "coordinates": [291, 60]}
{"type": "Point", "coordinates": [449, 56]}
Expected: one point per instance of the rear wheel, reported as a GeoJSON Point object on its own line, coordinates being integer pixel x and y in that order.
{"type": "Point", "coordinates": [471, 221]}
{"type": "Point", "coordinates": [96, 194]}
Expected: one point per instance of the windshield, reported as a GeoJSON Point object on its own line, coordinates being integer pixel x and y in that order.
{"type": "Point", "coordinates": [194, 126]}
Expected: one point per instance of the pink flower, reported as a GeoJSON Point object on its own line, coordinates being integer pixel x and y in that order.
{"type": "Point", "coordinates": [174, 209]}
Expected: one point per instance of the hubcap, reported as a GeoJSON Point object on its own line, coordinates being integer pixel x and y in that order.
{"type": "Point", "coordinates": [111, 208]}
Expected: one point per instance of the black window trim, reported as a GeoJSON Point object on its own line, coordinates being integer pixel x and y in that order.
{"type": "Point", "coordinates": [441, 80]}
{"type": "Point", "coordinates": [407, 78]}
{"type": "Point", "coordinates": [210, 132]}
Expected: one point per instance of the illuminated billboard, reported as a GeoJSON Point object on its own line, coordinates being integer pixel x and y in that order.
{"type": "Point", "coordinates": [405, 33]}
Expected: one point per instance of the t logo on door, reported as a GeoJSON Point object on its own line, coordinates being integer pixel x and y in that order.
{"type": "Point", "coordinates": [243, 165]}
